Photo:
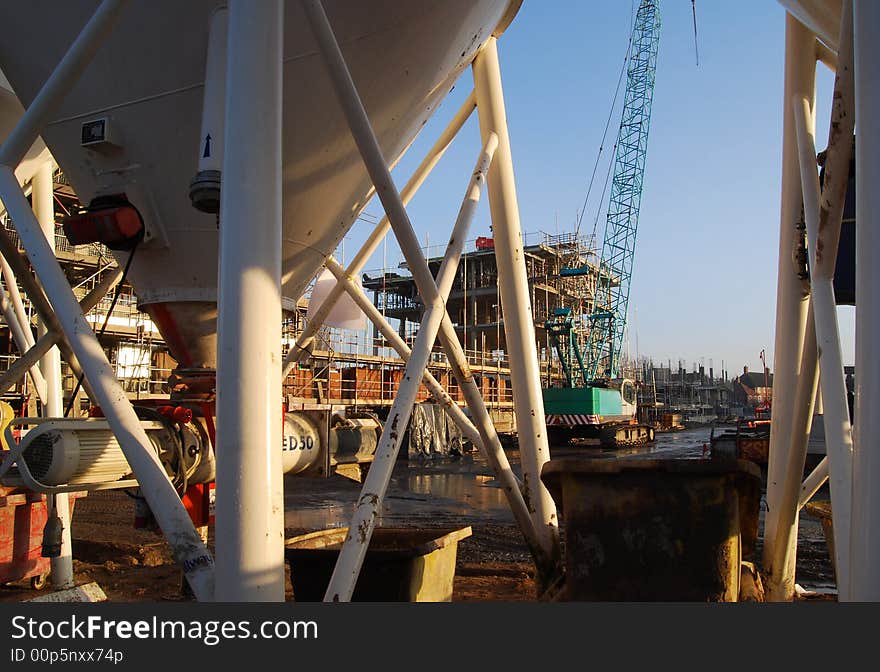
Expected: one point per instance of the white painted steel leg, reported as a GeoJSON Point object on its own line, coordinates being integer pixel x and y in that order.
{"type": "Point", "coordinates": [22, 273]}
{"type": "Point", "coordinates": [186, 546]}
{"type": "Point", "coordinates": [214, 106]}
{"type": "Point", "coordinates": [791, 307]}
{"type": "Point", "coordinates": [250, 501]}
{"type": "Point", "coordinates": [43, 201]}
{"type": "Point", "coordinates": [62, 79]}
{"type": "Point", "coordinates": [823, 247]}
{"type": "Point", "coordinates": [410, 245]}
{"type": "Point", "coordinates": [493, 451]}
{"type": "Point", "coordinates": [787, 505]}
{"type": "Point", "coordinates": [838, 433]}
{"type": "Point", "coordinates": [519, 325]}
{"type": "Point", "coordinates": [813, 482]}
{"type": "Point", "coordinates": [205, 186]}
{"type": "Point", "coordinates": [19, 332]}
{"type": "Point", "coordinates": [865, 544]}
{"type": "Point", "coordinates": [30, 358]}
{"type": "Point", "coordinates": [18, 307]}
{"type": "Point", "coordinates": [369, 504]}
{"type": "Point", "coordinates": [432, 158]}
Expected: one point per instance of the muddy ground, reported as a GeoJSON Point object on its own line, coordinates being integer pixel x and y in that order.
{"type": "Point", "coordinates": [492, 564]}
{"type": "Point", "coordinates": [135, 565]}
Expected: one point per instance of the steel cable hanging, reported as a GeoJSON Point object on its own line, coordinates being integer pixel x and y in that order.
{"type": "Point", "coordinates": [605, 132]}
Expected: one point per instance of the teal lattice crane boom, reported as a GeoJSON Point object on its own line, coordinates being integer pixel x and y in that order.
{"type": "Point", "coordinates": [607, 319]}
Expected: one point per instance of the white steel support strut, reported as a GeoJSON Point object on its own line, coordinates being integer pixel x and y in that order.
{"type": "Point", "coordinates": [825, 217]}
{"type": "Point", "coordinates": [519, 326]}
{"type": "Point", "coordinates": [250, 488]}
{"type": "Point", "coordinates": [186, 545]}
{"type": "Point", "coordinates": [43, 201]}
{"type": "Point", "coordinates": [791, 305]}
{"type": "Point", "coordinates": [22, 274]}
{"type": "Point", "coordinates": [29, 359]}
{"type": "Point", "coordinates": [546, 556]}
{"type": "Point", "coordinates": [20, 331]}
{"type": "Point", "coordinates": [865, 544]}
{"type": "Point", "coordinates": [432, 158]}
{"type": "Point", "coordinates": [838, 433]}
{"type": "Point", "coordinates": [369, 504]}
{"type": "Point", "coordinates": [787, 508]}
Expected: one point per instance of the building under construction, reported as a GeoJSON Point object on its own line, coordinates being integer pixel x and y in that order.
{"type": "Point", "coordinates": [347, 369]}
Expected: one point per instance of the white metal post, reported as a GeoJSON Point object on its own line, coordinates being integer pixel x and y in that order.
{"type": "Point", "coordinates": [21, 272]}
{"type": "Point", "coordinates": [823, 244]}
{"type": "Point", "coordinates": [354, 549]}
{"type": "Point", "coordinates": [43, 201]}
{"type": "Point", "coordinates": [838, 433]}
{"type": "Point", "coordinates": [813, 482]}
{"type": "Point", "coordinates": [380, 175]}
{"type": "Point", "coordinates": [865, 544]}
{"type": "Point", "coordinates": [790, 487]}
{"type": "Point", "coordinates": [20, 332]}
{"type": "Point", "coordinates": [250, 501]}
{"type": "Point", "coordinates": [29, 359]}
{"type": "Point", "coordinates": [519, 325]}
{"type": "Point", "coordinates": [791, 306]}
{"type": "Point", "coordinates": [205, 186]}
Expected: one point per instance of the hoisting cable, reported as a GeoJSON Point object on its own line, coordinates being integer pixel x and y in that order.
{"type": "Point", "coordinates": [607, 122]}
{"type": "Point", "coordinates": [696, 48]}
{"type": "Point", "coordinates": [116, 296]}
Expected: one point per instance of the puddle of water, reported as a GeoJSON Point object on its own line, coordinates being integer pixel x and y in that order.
{"type": "Point", "coordinates": [445, 489]}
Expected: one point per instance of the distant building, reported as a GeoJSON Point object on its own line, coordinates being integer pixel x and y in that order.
{"type": "Point", "coordinates": [753, 389]}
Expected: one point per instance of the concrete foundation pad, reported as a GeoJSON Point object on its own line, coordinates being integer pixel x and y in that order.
{"type": "Point", "coordinates": [88, 592]}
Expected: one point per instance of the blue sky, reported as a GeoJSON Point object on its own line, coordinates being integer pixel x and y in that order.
{"type": "Point", "coordinates": [704, 279]}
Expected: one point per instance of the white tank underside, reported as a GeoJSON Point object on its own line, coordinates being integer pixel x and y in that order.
{"type": "Point", "coordinates": [147, 79]}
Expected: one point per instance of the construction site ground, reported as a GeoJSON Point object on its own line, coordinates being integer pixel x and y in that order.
{"type": "Point", "coordinates": [492, 564]}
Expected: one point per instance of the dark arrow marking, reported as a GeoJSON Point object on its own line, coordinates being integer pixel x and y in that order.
{"type": "Point", "coordinates": [207, 151]}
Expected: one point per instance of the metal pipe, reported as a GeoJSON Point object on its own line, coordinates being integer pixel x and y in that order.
{"type": "Point", "coordinates": [813, 482]}
{"type": "Point", "coordinates": [186, 545]}
{"type": "Point", "coordinates": [547, 555]}
{"type": "Point", "coordinates": [30, 358]}
{"type": "Point", "coordinates": [519, 324]}
{"type": "Point", "coordinates": [494, 452]}
{"type": "Point", "coordinates": [62, 79]}
{"type": "Point", "coordinates": [865, 543]}
{"type": "Point", "coordinates": [21, 342]}
{"type": "Point", "coordinates": [791, 302]}
{"type": "Point", "coordinates": [838, 433]}
{"type": "Point", "coordinates": [826, 56]}
{"type": "Point", "coordinates": [17, 305]}
{"type": "Point", "coordinates": [300, 349]}
{"type": "Point", "coordinates": [369, 504]}
{"type": "Point", "coordinates": [22, 274]}
{"type": "Point", "coordinates": [397, 343]}
{"type": "Point", "coordinates": [43, 202]}
{"type": "Point", "coordinates": [22, 334]}
{"type": "Point", "coordinates": [822, 265]}
{"type": "Point", "coordinates": [205, 186]}
{"type": "Point", "coordinates": [250, 489]}
{"type": "Point", "coordinates": [804, 406]}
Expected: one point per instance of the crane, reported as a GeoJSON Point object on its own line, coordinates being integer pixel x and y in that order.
{"type": "Point", "coordinates": [593, 396]}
